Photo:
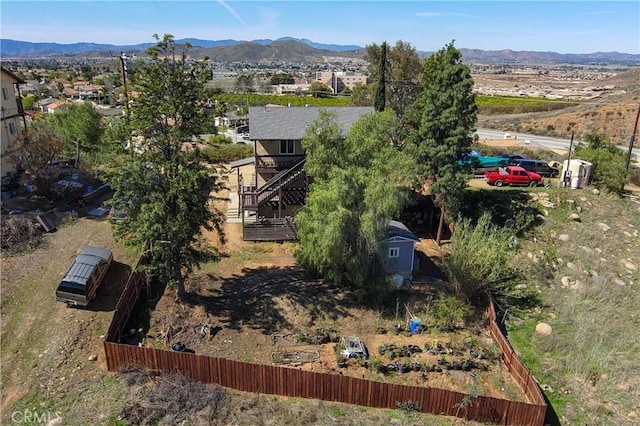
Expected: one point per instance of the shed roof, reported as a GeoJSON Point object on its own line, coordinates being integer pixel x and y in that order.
{"type": "Point", "coordinates": [398, 229]}
{"type": "Point", "coordinates": [291, 122]}
{"type": "Point", "coordinates": [242, 162]}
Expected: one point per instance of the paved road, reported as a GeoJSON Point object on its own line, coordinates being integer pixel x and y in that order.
{"type": "Point", "coordinates": [545, 141]}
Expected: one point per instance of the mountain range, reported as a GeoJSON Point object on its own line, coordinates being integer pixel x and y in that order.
{"type": "Point", "coordinates": [296, 50]}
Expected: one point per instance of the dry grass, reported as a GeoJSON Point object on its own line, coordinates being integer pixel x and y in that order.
{"type": "Point", "coordinates": [589, 358]}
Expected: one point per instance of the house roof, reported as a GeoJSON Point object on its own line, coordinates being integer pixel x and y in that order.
{"type": "Point", "coordinates": [291, 122]}
{"type": "Point", "coordinates": [398, 229]}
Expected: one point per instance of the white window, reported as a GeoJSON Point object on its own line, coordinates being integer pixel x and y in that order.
{"type": "Point", "coordinates": [12, 128]}
{"type": "Point", "coordinates": [5, 93]}
{"type": "Point", "coordinates": [394, 252]}
{"type": "Point", "coordinates": [286, 147]}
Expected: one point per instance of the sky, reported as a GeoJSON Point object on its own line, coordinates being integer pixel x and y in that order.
{"type": "Point", "coordinates": [555, 26]}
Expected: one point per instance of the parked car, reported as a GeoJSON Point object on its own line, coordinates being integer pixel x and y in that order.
{"type": "Point", "coordinates": [84, 276]}
{"type": "Point", "coordinates": [512, 157]}
{"type": "Point", "coordinates": [512, 175]}
{"type": "Point", "coordinates": [540, 167]}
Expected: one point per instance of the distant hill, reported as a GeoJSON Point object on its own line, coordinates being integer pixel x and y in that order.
{"type": "Point", "coordinates": [10, 47]}
{"type": "Point", "coordinates": [303, 50]}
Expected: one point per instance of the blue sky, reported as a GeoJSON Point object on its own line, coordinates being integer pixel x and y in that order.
{"type": "Point", "coordinates": [558, 26]}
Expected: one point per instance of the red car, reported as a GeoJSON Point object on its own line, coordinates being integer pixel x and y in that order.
{"type": "Point", "coordinates": [512, 175]}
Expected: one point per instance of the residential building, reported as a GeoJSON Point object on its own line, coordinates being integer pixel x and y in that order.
{"type": "Point", "coordinates": [338, 80]}
{"type": "Point", "coordinates": [270, 197]}
{"type": "Point", "coordinates": [13, 118]}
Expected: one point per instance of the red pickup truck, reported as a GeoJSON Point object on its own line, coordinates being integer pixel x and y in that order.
{"type": "Point", "coordinates": [512, 175]}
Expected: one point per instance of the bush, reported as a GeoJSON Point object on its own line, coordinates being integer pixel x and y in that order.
{"type": "Point", "coordinates": [409, 406]}
{"type": "Point", "coordinates": [219, 140]}
{"type": "Point", "coordinates": [228, 153]}
{"type": "Point", "coordinates": [479, 257]}
{"type": "Point", "coordinates": [608, 162]}
{"type": "Point", "coordinates": [450, 312]}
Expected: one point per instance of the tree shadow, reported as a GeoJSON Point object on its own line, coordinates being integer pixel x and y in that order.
{"type": "Point", "coordinates": [249, 298]}
{"type": "Point", "coordinates": [503, 205]}
{"type": "Point", "coordinates": [111, 288]}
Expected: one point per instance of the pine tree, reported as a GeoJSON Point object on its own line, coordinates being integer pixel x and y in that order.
{"type": "Point", "coordinates": [447, 112]}
{"type": "Point", "coordinates": [167, 189]}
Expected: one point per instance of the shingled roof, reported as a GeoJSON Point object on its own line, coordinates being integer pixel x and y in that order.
{"type": "Point", "coordinates": [273, 123]}
{"type": "Point", "coordinates": [399, 229]}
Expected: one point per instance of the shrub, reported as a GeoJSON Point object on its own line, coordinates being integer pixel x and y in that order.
{"type": "Point", "coordinates": [219, 139]}
{"type": "Point", "coordinates": [479, 257]}
{"type": "Point", "coordinates": [228, 153]}
{"type": "Point", "coordinates": [608, 163]}
{"type": "Point", "coordinates": [450, 312]}
{"type": "Point", "coordinates": [409, 406]}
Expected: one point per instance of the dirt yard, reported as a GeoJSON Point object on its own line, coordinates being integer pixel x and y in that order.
{"type": "Point", "coordinates": [255, 305]}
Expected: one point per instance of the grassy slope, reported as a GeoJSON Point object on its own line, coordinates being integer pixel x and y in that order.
{"type": "Point", "coordinates": [590, 362]}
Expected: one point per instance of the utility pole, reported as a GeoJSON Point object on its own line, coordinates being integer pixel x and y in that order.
{"type": "Point", "coordinates": [123, 68]}
{"type": "Point", "coordinates": [633, 137]}
{"type": "Point", "coordinates": [566, 178]}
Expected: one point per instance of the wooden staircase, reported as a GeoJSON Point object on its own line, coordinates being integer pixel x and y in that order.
{"type": "Point", "coordinates": [268, 191]}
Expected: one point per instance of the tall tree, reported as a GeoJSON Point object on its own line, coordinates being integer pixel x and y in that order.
{"type": "Point", "coordinates": [447, 121]}
{"type": "Point", "coordinates": [379, 102]}
{"type": "Point", "coordinates": [359, 184]}
{"type": "Point", "coordinates": [167, 189]}
{"type": "Point", "coordinates": [399, 68]}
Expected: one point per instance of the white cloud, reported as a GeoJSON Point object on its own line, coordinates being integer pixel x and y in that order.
{"type": "Point", "coordinates": [231, 11]}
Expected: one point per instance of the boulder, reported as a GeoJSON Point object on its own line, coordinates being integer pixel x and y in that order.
{"type": "Point", "coordinates": [543, 328]}
{"type": "Point", "coordinates": [630, 266]}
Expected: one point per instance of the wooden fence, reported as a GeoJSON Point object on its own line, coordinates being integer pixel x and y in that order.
{"type": "Point", "coordinates": [518, 371]}
{"type": "Point", "coordinates": [293, 382]}
{"type": "Point", "coordinates": [126, 302]}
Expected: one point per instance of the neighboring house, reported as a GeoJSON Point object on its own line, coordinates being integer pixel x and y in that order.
{"type": "Point", "coordinates": [88, 91]}
{"type": "Point", "coordinates": [398, 252]}
{"type": "Point", "coordinates": [13, 118]}
{"type": "Point", "coordinates": [280, 184]}
{"type": "Point", "coordinates": [54, 107]}
{"type": "Point", "coordinates": [340, 79]}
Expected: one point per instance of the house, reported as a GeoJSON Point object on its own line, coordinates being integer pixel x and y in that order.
{"type": "Point", "coordinates": [13, 117]}
{"type": "Point", "coordinates": [278, 186]}
{"type": "Point", "coordinates": [398, 252]}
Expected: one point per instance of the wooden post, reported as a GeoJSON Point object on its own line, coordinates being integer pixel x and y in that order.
{"type": "Point", "coordinates": [633, 137]}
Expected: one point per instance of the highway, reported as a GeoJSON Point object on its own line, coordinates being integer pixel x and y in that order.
{"type": "Point", "coordinates": [545, 141]}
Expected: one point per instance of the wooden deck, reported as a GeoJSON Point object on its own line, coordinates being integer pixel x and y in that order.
{"type": "Point", "coordinates": [276, 229]}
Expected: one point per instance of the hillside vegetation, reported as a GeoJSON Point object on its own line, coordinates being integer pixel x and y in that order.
{"type": "Point", "coordinates": [612, 115]}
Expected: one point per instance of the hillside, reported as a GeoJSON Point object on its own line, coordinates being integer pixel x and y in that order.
{"type": "Point", "coordinates": [613, 114]}
{"type": "Point", "coordinates": [303, 50]}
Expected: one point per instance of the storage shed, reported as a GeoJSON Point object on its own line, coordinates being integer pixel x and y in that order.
{"type": "Point", "coordinates": [398, 251]}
